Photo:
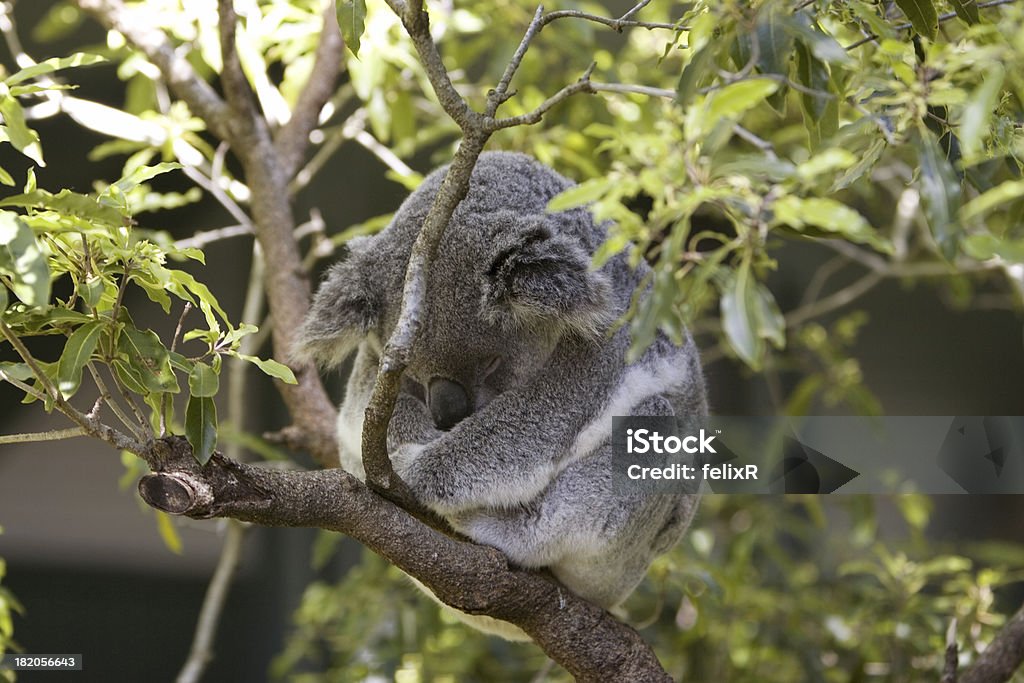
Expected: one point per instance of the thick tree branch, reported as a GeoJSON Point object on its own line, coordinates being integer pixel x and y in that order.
{"type": "Point", "coordinates": [588, 641]}
{"type": "Point", "coordinates": [293, 139]}
{"type": "Point", "coordinates": [181, 77]}
{"type": "Point", "coordinates": [1002, 657]}
{"type": "Point", "coordinates": [287, 286]}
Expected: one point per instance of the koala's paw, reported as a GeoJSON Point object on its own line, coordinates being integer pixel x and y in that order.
{"type": "Point", "coordinates": [429, 480]}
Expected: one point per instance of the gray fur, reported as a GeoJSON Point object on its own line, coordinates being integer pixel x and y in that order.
{"type": "Point", "coordinates": [528, 469]}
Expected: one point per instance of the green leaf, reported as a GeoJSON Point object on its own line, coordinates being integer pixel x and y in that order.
{"type": "Point", "coordinates": [922, 15]}
{"type": "Point", "coordinates": [352, 21]}
{"type": "Point", "coordinates": [19, 371]}
{"type": "Point", "coordinates": [828, 215]}
{"type": "Point", "coordinates": [24, 139]}
{"type": "Point", "coordinates": [775, 46]}
{"type": "Point", "coordinates": [983, 246]}
{"type": "Point", "coordinates": [739, 318]}
{"type": "Point", "coordinates": [967, 10]}
{"type": "Point", "coordinates": [146, 355]}
{"type": "Point", "coordinates": [272, 368]}
{"type": "Point", "coordinates": [77, 353]}
{"type": "Point", "coordinates": [168, 533]}
{"type": "Point", "coordinates": [6, 178]}
{"type": "Point", "coordinates": [203, 381]}
{"type": "Point", "coordinates": [699, 67]}
{"type": "Point", "coordinates": [92, 290]}
{"type": "Point", "coordinates": [998, 195]}
{"type": "Point", "coordinates": [23, 261]}
{"type": "Point", "coordinates": [977, 117]}
{"type": "Point", "coordinates": [940, 190]}
{"type": "Point", "coordinates": [771, 325]}
{"type": "Point", "coordinates": [54, 64]}
{"type": "Point", "coordinates": [129, 376]}
{"type": "Point", "coordinates": [730, 102]}
{"type": "Point", "coordinates": [201, 427]}
{"type": "Point", "coordinates": [820, 110]}
{"type": "Point", "coordinates": [822, 45]}
{"type": "Point", "coordinates": [144, 173]}
{"type": "Point", "coordinates": [580, 195]}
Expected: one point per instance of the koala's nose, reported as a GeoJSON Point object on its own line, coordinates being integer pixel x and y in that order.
{"type": "Point", "coordinates": [448, 402]}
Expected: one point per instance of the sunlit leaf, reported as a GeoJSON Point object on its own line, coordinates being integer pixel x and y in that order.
{"type": "Point", "coordinates": [977, 117]}
{"type": "Point", "coordinates": [272, 368]}
{"type": "Point", "coordinates": [352, 21]}
{"type": "Point", "coordinates": [23, 261]}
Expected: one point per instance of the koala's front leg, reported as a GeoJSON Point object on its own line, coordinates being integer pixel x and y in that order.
{"type": "Point", "coordinates": [508, 452]}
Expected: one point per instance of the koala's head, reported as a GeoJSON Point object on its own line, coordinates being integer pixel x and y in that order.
{"type": "Point", "coordinates": [508, 282]}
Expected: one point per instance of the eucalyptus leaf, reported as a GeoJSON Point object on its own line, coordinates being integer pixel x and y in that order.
{"type": "Point", "coordinates": [203, 381]}
{"type": "Point", "coordinates": [352, 21]}
{"type": "Point", "coordinates": [77, 352]}
{"type": "Point", "coordinates": [201, 427]}
{"type": "Point", "coordinates": [922, 15]}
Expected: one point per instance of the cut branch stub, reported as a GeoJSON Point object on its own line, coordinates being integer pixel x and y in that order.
{"type": "Point", "coordinates": [174, 493]}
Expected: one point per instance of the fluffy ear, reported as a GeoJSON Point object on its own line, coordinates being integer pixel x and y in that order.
{"type": "Point", "coordinates": [346, 308]}
{"type": "Point", "coordinates": [543, 281]}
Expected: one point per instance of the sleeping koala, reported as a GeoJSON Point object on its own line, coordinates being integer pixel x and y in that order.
{"type": "Point", "coordinates": [503, 423]}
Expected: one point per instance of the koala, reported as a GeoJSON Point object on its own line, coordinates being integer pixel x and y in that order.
{"type": "Point", "coordinates": [503, 422]}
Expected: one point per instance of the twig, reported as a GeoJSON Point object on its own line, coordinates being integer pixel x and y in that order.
{"type": "Point", "coordinates": [55, 435]}
{"type": "Point", "coordinates": [89, 423]}
{"type": "Point", "coordinates": [617, 24]}
{"type": "Point", "coordinates": [201, 652]}
{"type": "Point", "coordinates": [582, 85]}
{"type": "Point", "coordinates": [626, 88]}
{"type": "Point", "coordinates": [181, 77]}
{"type": "Point", "coordinates": [201, 239]}
{"type": "Point", "coordinates": [499, 94]}
{"type": "Point", "coordinates": [837, 300]}
{"type": "Point", "coordinates": [942, 18]}
{"type": "Point", "coordinates": [293, 139]}
{"type": "Point", "coordinates": [213, 187]}
{"type": "Point", "coordinates": [108, 399]}
{"type": "Point", "coordinates": [760, 143]}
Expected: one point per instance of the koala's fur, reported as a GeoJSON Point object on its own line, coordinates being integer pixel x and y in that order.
{"type": "Point", "coordinates": [516, 359]}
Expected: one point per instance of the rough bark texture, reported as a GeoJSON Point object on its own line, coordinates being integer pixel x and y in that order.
{"type": "Point", "coordinates": [588, 641]}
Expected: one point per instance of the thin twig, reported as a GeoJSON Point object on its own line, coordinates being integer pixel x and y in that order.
{"type": "Point", "coordinates": [293, 139]}
{"type": "Point", "coordinates": [55, 435]}
{"type": "Point", "coordinates": [837, 300]}
{"type": "Point", "coordinates": [942, 18]}
{"type": "Point", "coordinates": [201, 98]}
{"type": "Point", "coordinates": [582, 85]}
{"type": "Point", "coordinates": [201, 239]}
{"type": "Point", "coordinates": [617, 24]}
{"type": "Point", "coordinates": [108, 399]}
{"type": "Point", "coordinates": [500, 94]}
{"type": "Point", "coordinates": [201, 651]}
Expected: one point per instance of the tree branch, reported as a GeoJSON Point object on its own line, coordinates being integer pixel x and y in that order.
{"type": "Point", "coordinates": [1003, 656]}
{"type": "Point", "coordinates": [587, 640]}
{"type": "Point", "coordinates": [181, 77]}
{"type": "Point", "coordinates": [293, 139]}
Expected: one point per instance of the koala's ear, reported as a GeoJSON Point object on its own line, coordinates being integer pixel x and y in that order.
{"type": "Point", "coordinates": [543, 281]}
{"type": "Point", "coordinates": [346, 308]}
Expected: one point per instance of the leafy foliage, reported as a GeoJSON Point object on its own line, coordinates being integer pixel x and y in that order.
{"type": "Point", "coordinates": [90, 247]}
